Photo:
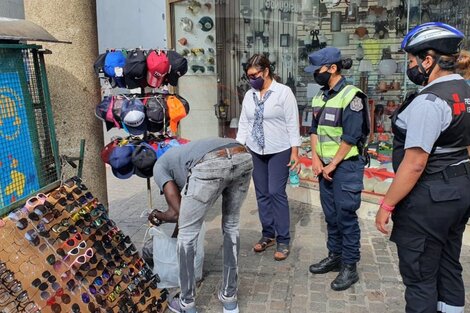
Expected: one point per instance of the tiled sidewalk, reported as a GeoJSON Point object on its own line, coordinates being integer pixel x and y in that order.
{"type": "Point", "coordinates": [268, 286]}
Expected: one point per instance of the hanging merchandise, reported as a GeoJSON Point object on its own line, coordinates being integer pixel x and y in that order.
{"type": "Point", "coordinates": [133, 155]}
{"type": "Point", "coordinates": [178, 67]}
{"type": "Point", "coordinates": [335, 25]}
{"type": "Point", "coordinates": [381, 31]}
{"type": "Point", "coordinates": [206, 23]}
{"type": "Point", "coordinates": [158, 66]}
{"type": "Point", "coordinates": [133, 116]}
{"type": "Point", "coordinates": [387, 65]}
{"type": "Point", "coordinates": [113, 67]}
{"type": "Point", "coordinates": [359, 52]}
{"type": "Point", "coordinates": [186, 24]}
{"type": "Point", "coordinates": [245, 13]}
{"type": "Point", "coordinates": [139, 115]}
{"type": "Point", "coordinates": [361, 33]}
{"type": "Point", "coordinates": [135, 69]}
{"type": "Point", "coordinates": [291, 82]}
{"type": "Point", "coordinates": [194, 7]}
{"type": "Point", "coordinates": [155, 68]}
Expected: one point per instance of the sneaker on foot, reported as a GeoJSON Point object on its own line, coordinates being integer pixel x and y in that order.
{"type": "Point", "coordinates": [174, 305]}
{"type": "Point", "coordinates": [230, 303]}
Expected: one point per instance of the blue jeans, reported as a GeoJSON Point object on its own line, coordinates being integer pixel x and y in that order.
{"type": "Point", "coordinates": [340, 200]}
{"type": "Point", "coordinates": [226, 176]}
{"type": "Point", "coordinates": [270, 175]}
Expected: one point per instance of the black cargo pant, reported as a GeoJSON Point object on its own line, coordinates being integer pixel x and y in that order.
{"type": "Point", "coordinates": [428, 228]}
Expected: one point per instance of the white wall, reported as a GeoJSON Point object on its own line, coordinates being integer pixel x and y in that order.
{"type": "Point", "coordinates": [131, 24]}
{"type": "Point", "coordinates": [12, 8]}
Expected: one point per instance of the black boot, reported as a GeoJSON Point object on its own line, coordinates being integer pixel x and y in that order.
{"type": "Point", "coordinates": [346, 277]}
{"type": "Point", "coordinates": [328, 264]}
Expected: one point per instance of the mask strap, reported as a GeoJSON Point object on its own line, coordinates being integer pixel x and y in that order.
{"type": "Point", "coordinates": [426, 73]}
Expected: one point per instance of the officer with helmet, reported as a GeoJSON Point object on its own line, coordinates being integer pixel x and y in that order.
{"type": "Point", "coordinates": [338, 134]}
{"type": "Point", "coordinates": [429, 199]}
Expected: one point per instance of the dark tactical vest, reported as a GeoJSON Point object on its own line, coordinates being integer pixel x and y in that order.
{"type": "Point", "coordinates": [457, 95]}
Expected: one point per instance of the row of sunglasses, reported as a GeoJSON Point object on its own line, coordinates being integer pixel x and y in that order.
{"type": "Point", "coordinates": [13, 297]}
{"type": "Point", "coordinates": [90, 255]}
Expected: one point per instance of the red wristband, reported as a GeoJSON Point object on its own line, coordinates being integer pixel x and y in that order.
{"type": "Point", "coordinates": [385, 206]}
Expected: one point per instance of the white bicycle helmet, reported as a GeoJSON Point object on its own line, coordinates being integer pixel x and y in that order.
{"type": "Point", "coordinates": [437, 36]}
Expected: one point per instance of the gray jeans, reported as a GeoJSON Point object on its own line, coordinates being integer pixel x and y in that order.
{"type": "Point", "coordinates": [229, 177]}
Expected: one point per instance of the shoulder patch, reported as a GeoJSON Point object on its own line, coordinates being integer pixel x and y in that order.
{"type": "Point", "coordinates": [356, 104]}
{"type": "Point", "coordinates": [431, 97]}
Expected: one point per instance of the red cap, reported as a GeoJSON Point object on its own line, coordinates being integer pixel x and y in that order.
{"type": "Point", "coordinates": [158, 66]}
{"type": "Point", "coordinates": [106, 151]}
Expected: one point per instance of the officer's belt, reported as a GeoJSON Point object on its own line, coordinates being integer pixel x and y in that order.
{"type": "Point", "coordinates": [223, 152]}
{"type": "Point", "coordinates": [449, 172]}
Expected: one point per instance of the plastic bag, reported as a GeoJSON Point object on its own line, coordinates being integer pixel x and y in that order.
{"type": "Point", "coordinates": [147, 252]}
{"type": "Point", "coordinates": [165, 256]}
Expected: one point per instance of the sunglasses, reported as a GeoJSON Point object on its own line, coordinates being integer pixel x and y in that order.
{"type": "Point", "coordinates": [254, 75]}
{"type": "Point", "coordinates": [40, 198]}
{"type": "Point", "coordinates": [72, 241]}
{"type": "Point", "coordinates": [81, 259]}
{"type": "Point", "coordinates": [61, 226]}
{"type": "Point", "coordinates": [33, 237]}
{"type": "Point", "coordinates": [74, 251]}
{"type": "Point", "coordinates": [22, 223]}
{"type": "Point", "coordinates": [54, 196]}
{"type": "Point", "coordinates": [40, 210]}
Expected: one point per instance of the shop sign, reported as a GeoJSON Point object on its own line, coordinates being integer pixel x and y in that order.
{"type": "Point", "coordinates": [284, 6]}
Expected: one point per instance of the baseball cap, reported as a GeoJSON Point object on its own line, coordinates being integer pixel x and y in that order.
{"type": "Point", "coordinates": [165, 145]}
{"type": "Point", "coordinates": [102, 109]}
{"type": "Point", "coordinates": [117, 108]}
{"type": "Point", "coordinates": [176, 111]}
{"type": "Point", "coordinates": [144, 158]}
{"type": "Point", "coordinates": [156, 113]}
{"type": "Point", "coordinates": [133, 116]}
{"type": "Point", "coordinates": [98, 66]}
{"type": "Point", "coordinates": [106, 151]}
{"type": "Point", "coordinates": [325, 56]}
{"type": "Point", "coordinates": [120, 160]}
{"type": "Point", "coordinates": [113, 66]}
{"type": "Point", "coordinates": [178, 67]}
{"type": "Point", "coordinates": [135, 69]}
{"type": "Point", "coordinates": [206, 23]}
{"type": "Point", "coordinates": [158, 66]}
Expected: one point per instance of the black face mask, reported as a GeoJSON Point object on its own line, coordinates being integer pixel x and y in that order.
{"type": "Point", "coordinates": [322, 78]}
{"type": "Point", "coordinates": [416, 76]}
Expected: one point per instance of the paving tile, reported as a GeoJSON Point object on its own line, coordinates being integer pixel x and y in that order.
{"type": "Point", "coordinates": [268, 286]}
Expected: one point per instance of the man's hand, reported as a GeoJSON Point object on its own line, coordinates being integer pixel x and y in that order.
{"type": "Point", "coordinates": [156, 218]}
{"type": "Point", "coordinates": [381, 219]}
{"type": "Point", "coordinates": [328, 171]}
{"type": "Point", "coordinates": [317, 166]}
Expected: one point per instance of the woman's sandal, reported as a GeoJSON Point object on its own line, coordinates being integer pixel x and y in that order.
{"type": "Point", "coordinates": [263, 244]}
{"type": "Point", "coordinates": [282, 252]}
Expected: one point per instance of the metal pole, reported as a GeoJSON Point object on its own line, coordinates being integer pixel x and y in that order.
{"type": "Point", "coordinates": [81, 158]}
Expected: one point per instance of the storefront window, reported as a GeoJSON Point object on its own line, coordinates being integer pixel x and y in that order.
{"type": "Point", "coordinates": [369, 32]}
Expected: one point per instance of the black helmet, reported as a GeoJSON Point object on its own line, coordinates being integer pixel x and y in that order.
{"type": "Point", "coordinates": [437, 36]}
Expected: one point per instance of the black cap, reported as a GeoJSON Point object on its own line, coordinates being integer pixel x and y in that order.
{"type": "Point", "coordinates": [135, 70]}
{"type": "Point", "coordinates": [99, 64]}
{"type": "Point", "coordinates": [156, 110]}
{"type": "Point", "coordinates": [144, 158]}
{"type": "Point", "coordinates": [178, 67]}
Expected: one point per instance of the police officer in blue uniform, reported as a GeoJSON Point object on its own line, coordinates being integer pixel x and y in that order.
{"type": "Point", "coordinates": [429, 196]}
{"type": "Point", "coordinates": [338, 134]}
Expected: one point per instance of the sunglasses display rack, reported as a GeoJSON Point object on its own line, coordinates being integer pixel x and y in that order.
{"type": "Point", "coordinates": [61, 252]}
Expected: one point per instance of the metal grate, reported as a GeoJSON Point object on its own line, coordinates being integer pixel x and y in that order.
{"type": "Point", "coordinates": [28, 153]}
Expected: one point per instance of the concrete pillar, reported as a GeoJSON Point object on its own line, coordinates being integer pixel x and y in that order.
{"type": "Point", "coordinates": [73, 85]}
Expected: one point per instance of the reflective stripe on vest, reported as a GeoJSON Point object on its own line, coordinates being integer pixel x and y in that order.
{"type": "Point", "coordinates": [330, 128]}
